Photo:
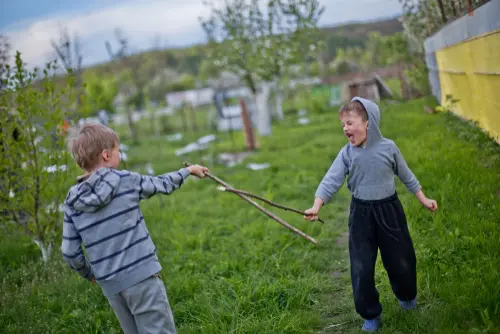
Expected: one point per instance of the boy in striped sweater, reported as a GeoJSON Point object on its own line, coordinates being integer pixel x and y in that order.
{"type": "Point", "coordinates": [102, 212]}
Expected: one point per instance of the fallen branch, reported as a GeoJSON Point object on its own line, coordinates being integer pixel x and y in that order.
{"type": "Point", "coordinates": [336, 325]}
{"type": "Point", "coordinates": [266, 212]}
{"type": "Point", "coordinates": [246, 193]}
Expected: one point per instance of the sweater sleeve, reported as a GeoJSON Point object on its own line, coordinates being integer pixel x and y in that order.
{"type": "Point", "coordinates": [164, 184]}
{"type": "Point", "coordinates": [404, 173]}
{"type": "Point", "coordinates": [334, 177]}
{"type": "Point", "coordinates": [72, 252]}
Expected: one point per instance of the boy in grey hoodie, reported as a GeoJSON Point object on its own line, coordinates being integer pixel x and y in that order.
{"type": "Point", "coordinates": [377, 219]}
{"type": "Point", "coordinates": [102, 212]}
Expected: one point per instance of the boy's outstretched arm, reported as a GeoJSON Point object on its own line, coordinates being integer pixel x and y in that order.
{"type": "Point", "coordinates": [167, 183]}
{"type": "Point", "coordinates": [334, 177]}
{"type": "Point", "coordinates": [330, 184]}
{"type": "Point", "coordinates": [72, 250]}
{"type": "Point", "coordinates": [410, 181]}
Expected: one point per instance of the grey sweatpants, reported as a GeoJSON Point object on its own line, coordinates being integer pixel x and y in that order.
{"type": "Point", "coordinates": [144, 308]}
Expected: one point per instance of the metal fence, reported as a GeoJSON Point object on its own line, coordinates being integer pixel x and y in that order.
{"type": "Point", "coordinates": [464, 61]}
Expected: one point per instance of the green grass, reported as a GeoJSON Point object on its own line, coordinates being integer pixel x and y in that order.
{"type": "Point", "coordinates": [394, 85]}
{"type": "Point", "coordinates": [230, 269]}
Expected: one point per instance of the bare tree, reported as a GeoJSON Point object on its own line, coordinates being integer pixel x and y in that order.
{"type": "Point", "coordinates": [123, 43]}
{"type": "Point", "coordinates": [68, 51]}
{"type": "Point", "coordinates": [141, 71]}
{"type": "Point", "coordinates": [121, 55]}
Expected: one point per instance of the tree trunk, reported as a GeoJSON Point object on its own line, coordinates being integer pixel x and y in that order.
{"type": "Point", "coordinates": [427, 18]}
{"type": "Point", "coordinates": [469, 7]}
{"type": "Point", "coordinates": [441, 9]}
{"type": "Point", "coordinates": [247, 127]}
{"type": "Point", "coordinates": [46, 250]}
{"type": "Point", "coordinates": [263, 113]}
{"type": "Point", "coordinates": [279, 101]}
{"type": "Point", "coordinates": [250, 83]}
{"type": "Point", "coordinates": [453, 8]}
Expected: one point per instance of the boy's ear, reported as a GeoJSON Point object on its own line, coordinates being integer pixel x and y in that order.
{"type": "Point", "coordinates": [105, 155]}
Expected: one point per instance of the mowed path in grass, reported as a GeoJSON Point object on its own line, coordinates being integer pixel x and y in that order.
{"type": "Point", "coordinates": [230, 269]}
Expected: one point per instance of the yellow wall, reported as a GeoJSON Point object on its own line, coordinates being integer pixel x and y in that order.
{"type": "Point", "coordinates": [470, 71]}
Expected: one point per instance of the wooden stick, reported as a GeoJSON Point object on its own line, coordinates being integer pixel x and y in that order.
{"type": "Point", "coordinates": [236, 191]}
{"type": "Point", "coordinates": [266, 212]}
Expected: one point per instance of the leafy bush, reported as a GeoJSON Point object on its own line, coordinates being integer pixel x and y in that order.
{"type": "Point", "coordinates": [35, 167]}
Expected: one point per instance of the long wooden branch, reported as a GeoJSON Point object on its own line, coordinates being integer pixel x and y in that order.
{"type": "Point", "coordinates": [266, 212]}
{"type": "Point", "coordinates": [246, 193]}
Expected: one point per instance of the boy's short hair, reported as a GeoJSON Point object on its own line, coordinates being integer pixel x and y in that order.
{"type": "Point", "coordinates": [356, 107]}
{"type": "Point", "coordinates": [88, 142]}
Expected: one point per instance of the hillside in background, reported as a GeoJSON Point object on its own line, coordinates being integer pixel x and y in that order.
{"type": "Point", "coordinates": [386, 26]}
{"type": "Point", "coordinates": [158, 71]}
{"type": "Point", "coordinates": [187, 60]}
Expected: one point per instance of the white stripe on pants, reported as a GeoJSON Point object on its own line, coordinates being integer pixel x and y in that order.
{"type": "Point", "coordinates": [144, 308]}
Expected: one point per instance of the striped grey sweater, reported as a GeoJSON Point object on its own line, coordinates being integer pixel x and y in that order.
{"type": "Point", "coordinates": [102, 212]}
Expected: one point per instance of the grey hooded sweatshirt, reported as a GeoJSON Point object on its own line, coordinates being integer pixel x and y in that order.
{"type": "Point", "coordinates": [102, 212]}
{"type": "Point", "coordinates": [370, 170]}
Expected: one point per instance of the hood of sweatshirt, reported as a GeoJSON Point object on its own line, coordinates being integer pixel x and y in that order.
{"type": "Point", "coordinates": [94, 191]}
{"type": "Point", "coordinates": [374, 134]}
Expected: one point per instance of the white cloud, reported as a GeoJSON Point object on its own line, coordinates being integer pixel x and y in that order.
{"type": "Point", "coordinates": [174, 21]}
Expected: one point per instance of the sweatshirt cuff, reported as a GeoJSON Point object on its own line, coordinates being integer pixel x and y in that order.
{"type": "Point", "coordinates": [416, 189]}
{"type": "Point", "coordinates": [184, 172]}
{"type": "Point", "coordinates": [323, 197]}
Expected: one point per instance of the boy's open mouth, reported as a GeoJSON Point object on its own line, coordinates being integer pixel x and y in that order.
{"type": "Point", "coordinates": [350, 136]}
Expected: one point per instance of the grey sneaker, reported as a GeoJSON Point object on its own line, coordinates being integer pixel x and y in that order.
{"type": "Point", "coordinates": [408, 305]}
{"type": "Point", "coordinates": [371, 325]}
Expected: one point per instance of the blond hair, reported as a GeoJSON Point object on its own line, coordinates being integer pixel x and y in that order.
{"type": "Point", "coordinates": [88, 142]}
{"type": "Point", "coordinates": [356, 107]}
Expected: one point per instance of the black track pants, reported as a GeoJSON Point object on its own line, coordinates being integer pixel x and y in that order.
{"type": "Point", "coordinates": [380, 225]}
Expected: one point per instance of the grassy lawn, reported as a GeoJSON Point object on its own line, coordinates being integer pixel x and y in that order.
{"type": "Point", "coordinates": [395, 87]}
{"type": "Point", "coordinates": [230, 269]}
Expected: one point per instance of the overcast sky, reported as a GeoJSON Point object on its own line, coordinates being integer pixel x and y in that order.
{"type": "Point", "coordinates": [31, 25]}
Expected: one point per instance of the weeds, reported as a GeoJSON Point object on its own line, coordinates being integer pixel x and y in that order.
{"type": "Point", "coordinates": [229, 269]}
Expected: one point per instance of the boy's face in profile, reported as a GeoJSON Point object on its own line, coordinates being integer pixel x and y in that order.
{"type": "Point", "coordinates": [115, 157]}
{"type": "Point", "coordinates": [355, 128]}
